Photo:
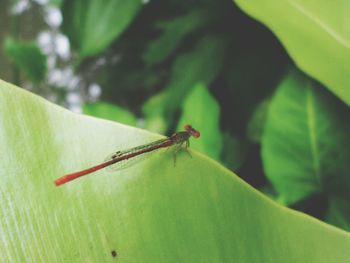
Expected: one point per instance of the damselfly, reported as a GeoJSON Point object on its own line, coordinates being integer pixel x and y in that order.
{"type": "Point", "coordinates": [178, 138]}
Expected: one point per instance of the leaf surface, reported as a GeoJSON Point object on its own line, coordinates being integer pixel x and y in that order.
{"type": "Point", "coordinates": [201, 110]}
{"type": "Point", "coordinates": [197, 211]}
{"type": "Point", "coordinates": [316, 35]}
{"type": "Point", "coordinates": [306, 143]}
{"type": "Point", "coordinates": [93, 25]}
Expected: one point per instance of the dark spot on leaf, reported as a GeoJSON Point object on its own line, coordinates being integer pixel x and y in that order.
{"type": "Point", "coordinates": [114, 253]}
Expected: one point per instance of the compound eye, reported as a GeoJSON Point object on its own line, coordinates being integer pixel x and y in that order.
{"type": "Point", "coordinates": [196, 134]}
{"type": "Point", "coordinates": [188, 127]}
{"type": "Point", "coordinates": [193, 132]}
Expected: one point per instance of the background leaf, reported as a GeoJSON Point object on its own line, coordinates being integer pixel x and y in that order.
{"type": "Point", "coordinates": [234, 152]}
{"type": "Point", "coordinates": [315, 33]}
{"type": "Point", "coordinates": [154, 112]}
{"type": "Point", "coordinates": [306, 143]}
{"type": "Point", "coordinates": [257, 121]}
{"type": "Point", "coordinates": [201, 110]}
{"type": "Point", "coordinates": [339, 213]}
{"type": "Point", "coordinates": [174, 31]}
{"type": "Point", "coordinates": [201, 65]}
{"type": "Point", "coordinates": [92, 25]}
{"type": "Point", "coordinates": [152, 212]}
{"type": "Point", "coordinates": [110, 112]}
{"type": "Point", "coordinates": [27, 57]}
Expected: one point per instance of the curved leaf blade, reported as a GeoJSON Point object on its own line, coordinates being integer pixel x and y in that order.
{"type": "Point", "coordinates": [306, 144]}
{"type": "Point", "coordinates": [92, 25]}
{"type": "Point", "coordinates": [152, 212]}
{"type": "Point", "coordinates": [315, 33]}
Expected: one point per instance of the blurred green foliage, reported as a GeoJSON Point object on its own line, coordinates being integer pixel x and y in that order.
{"type": "Point", "coordinates": [28, 58]}
{"type": "Point", "coordinates": [202, 111]}
{"type": "Point", "coordinates": [339, 212]}
{"type": "Point", "coordinates": [200, 65]}
{"type": "Point", "coordinates": [109, 112]}
{"type": "Point", "coordinates": [208, 64]}
{"type": "Point", "coordinates": [173, 32]}
{"type": "Point", "coordinates": [92, 25]}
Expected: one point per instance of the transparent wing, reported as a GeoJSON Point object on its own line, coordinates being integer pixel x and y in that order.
{"type": "Point", "coordinates": [123, 164]}
{"type": "Point", "coordinates": [126, 163]}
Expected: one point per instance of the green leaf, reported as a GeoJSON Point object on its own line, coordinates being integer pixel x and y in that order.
{"type": "Point", "coordinates": [315, 33]}
{"type": "Point", "coordinates": [339, 213]}
{"type": "Point", "coordinates": [57, 3]}
{"type": "Point", "coordinates": [93, 25]}
{"type": "Point", "coordinates": [154, 113]}
{"type": "Point", "coordinates": [201, 65]}
{"type": "Point", "coordinates": [306, 143]}
{"type": "Point", "coordinates": [110, 112]}
{"type": "Point", "coordinates": [196, 211]}
{"type": "Point", "coordinates": [257, 121]}
{"type": "Point", "coordinates": [28, 58]}
{"type": "Point", "coordinates": [201, 110]}
{"type": "Point", "coordinates": [174, 31]}
{"type": "Point", "coordinates": [234, 151]}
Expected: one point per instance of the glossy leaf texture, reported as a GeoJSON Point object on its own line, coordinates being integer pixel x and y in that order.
{"type": "Point", "coordinates": [197, 211]}
{"type": "Point", "coordinates": [28, 57]}
{"type": "Point", "coordinates": [316, 35]}
{"type": "Point", "coordinates": [306, 143]}
{"type": "Point", "coordinates": [93, 25]}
